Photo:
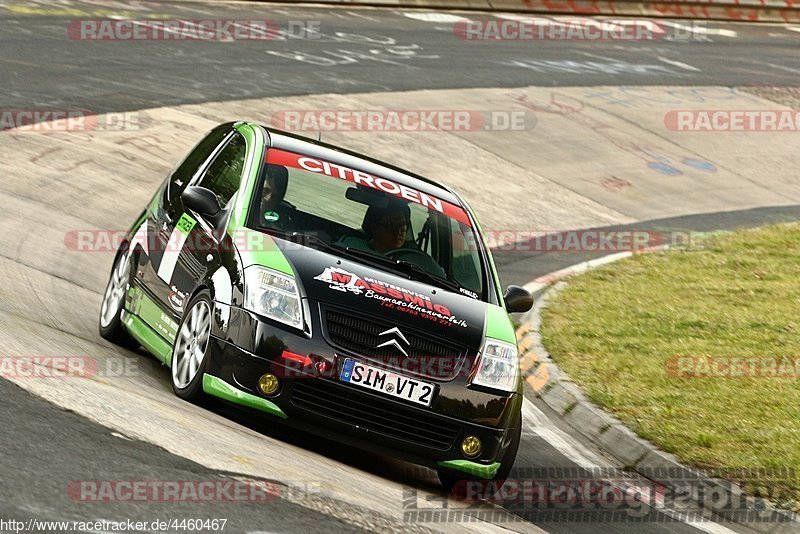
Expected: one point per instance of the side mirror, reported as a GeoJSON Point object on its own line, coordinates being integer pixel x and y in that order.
{"type": "Point", "coordinates": [518, 299]}
{"type": "Point", "coordinates": [201, 200]}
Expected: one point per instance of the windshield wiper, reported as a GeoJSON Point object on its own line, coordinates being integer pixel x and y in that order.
{"type": "Point", "coordinates": [452, 285]}
{"type": "Point", "coordinates": [301, 238]}
{"type": "Point", "coordinates": [316, 242]}
{"type": "Point", "coordinates": [404, 267]}
{"type": "Point", "coordinates": [374, 257]}
{"type": "Point", "coordinates": [399, 266]}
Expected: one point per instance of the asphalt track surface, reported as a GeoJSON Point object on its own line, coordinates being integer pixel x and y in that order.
{"type": "Point", "coordinates": [371, 51]}
{"type": "Point", "coordinates": [45, 447]}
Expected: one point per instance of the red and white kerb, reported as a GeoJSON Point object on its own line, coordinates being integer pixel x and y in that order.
{"type": "Point", "coordinates": [297, 161]}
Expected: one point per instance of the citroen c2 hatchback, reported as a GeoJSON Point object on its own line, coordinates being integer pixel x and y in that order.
{"type": "Point", "coordinates": [339, 294]}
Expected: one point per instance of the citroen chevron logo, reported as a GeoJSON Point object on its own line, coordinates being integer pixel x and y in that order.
{"type": "Point", "coordinates": [393, 342]}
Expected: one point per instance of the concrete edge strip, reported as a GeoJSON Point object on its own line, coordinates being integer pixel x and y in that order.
{"type": "Point", "coordinates": [729, 10]}
{"type": "Point", "coordinates": [608, 433]}
{"type": "Point", "coordinates": [331, 506]}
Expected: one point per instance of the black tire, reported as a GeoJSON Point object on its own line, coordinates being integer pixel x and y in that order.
{"type": "Point", "coordinates": [456, 485]}
{"type": "Point", "coordinates": [110, 320]}
{"type": "Point", "coordinates": [191, 391]}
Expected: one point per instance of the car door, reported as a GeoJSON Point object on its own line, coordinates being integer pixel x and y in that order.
{"type": "Point", "coordinates": [160, 251]}
{"type": "Point", "coordinates": [195, 239]}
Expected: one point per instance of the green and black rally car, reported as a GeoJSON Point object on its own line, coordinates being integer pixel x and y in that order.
{"type": "Point", "coordinates": [345, 296]}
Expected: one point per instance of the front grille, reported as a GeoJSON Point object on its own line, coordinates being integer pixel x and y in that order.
{"type": "Point", "coordinates": [391, 419]}
{"type": "Point", "coordinates": [426, 357]}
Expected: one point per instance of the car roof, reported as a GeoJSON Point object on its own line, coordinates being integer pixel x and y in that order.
{"type": "Point", "coordinates": [334, 154]}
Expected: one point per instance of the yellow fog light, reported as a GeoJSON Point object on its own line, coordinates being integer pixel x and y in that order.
{"type": "Point", "coordinates": [268, 384]}
{"type": "Point", "coordinates": [471, 446]}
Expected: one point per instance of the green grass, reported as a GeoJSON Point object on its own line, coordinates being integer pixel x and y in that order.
{"type": "Point", "coordinates": [616, 329]}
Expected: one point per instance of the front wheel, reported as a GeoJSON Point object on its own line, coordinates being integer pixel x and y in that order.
{"type": "Point", "coordinates": [189, 354]}
{"type": "Point", "coordinates": [466, 486]}
{"type": "Point", "coordinates": [111, 327]}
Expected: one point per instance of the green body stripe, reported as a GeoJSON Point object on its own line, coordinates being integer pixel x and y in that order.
{"type": "Point", "coordinates": [219, 388]}
{"type": "Point", "coordinates": [155, 202]}
{"type": "Point", "coordinates": [254, 138]}
{"type": "Point", "coordinates": [259, 248]}
{"type": "Point", "coordinates": [135, 227]}
{"type": "Point", "coordinates": [498, 324]}
{"type": "Point", "coordinates": [256, 248]}
{"type": "Point", "coordinates": [472, 468]}
{"type": "Point", "coordinates": [154, 343]}
{"type": "Point", "coordinates": [150, 312]}
{"type": "Point", "coordinates": [493, 274]}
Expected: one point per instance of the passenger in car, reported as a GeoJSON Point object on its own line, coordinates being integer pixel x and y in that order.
{"type": "Point", "coordinates": [275, 212]}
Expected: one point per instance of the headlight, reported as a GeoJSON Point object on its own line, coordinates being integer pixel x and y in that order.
{"type": "Point", "coordinates": [273, 295]}
{"type": "Point", "coordinates": [498, 367]}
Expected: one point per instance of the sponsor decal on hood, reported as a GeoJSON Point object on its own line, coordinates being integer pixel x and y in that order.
{"type": "Point", "coordinates": [390, 295]}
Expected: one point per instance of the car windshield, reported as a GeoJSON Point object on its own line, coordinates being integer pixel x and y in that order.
{"type": "Point", "coordinates": [368, 218]}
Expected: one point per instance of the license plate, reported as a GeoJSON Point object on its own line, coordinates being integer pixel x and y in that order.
{"type": "Point", "coordinates": [401, 387]}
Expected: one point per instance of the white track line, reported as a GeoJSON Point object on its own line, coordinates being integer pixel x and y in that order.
{"type": "Point", "coordinates": [362, 16]}
{"type": "Point", "coordinates": [536, 422]}
{"type": "Point", "coordinates": [781, 67]}
{"type": "Point", "coordinates": [700, 30]}
{"type": "Point", "coordinates": [434, 17]}
{"type": "Point", "coordinates": [684, 66]}
{"type": "Point", "coordinates": [523, 18]}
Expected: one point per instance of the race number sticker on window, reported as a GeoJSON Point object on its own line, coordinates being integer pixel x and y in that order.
{"type": "Point", "coordinates": [296, 161]}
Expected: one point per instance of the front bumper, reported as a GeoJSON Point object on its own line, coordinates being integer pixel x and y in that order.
{"type": "Point", "coordinates": [318, 402]}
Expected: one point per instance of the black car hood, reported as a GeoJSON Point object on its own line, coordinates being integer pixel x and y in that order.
{"type": "Point", "coordinates": [391, 298]}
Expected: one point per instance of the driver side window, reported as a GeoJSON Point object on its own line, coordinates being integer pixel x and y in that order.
{"type": "Point", "coordinates": [197, 157]}
{"type": "Point", "coordinates": [224, 176]}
